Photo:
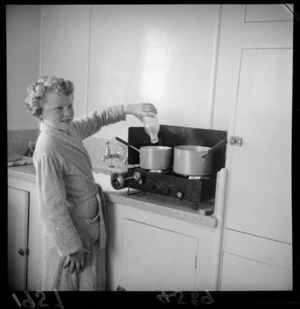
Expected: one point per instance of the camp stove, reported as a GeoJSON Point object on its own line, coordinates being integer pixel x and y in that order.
{"type": "Point", "coordinates": [193, 188]}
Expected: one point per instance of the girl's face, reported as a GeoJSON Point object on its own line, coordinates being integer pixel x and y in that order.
{"type": "Point", "coordinates": [58, 111]}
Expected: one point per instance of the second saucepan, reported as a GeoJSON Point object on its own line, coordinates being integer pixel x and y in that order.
{"type": "Point", "coordinates": [194, 160]}
{"type": "Point", "coordinates": [188, 160]}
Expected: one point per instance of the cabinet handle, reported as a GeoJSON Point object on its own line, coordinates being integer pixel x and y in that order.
{"type": "Point", "coordinates": [21, 252]}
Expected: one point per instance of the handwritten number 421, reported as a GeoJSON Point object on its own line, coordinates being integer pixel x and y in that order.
{"type": "Point", "coordinates": [29, 303]}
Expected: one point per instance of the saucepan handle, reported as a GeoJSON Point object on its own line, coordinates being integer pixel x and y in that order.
{"type": "Point", "coordinates": [126, 143]}
{"type": "Point", "coordinates": [211, 150]}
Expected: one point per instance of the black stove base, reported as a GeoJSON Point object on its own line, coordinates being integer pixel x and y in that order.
{"type": "Point", "coordinates": [194, 190]}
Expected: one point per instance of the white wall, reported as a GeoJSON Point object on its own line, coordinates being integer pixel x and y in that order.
{"type": "Point", "coordinates": [164, 54]}
{"type": "Point", "coordinates": [65, 47]}
{"type": "Point", "coordinates": [119, 54]}
{"type": "Point", "coordinates": [23, 28]}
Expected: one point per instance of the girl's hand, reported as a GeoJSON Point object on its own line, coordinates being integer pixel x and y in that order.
{"type": "Point", "coordinates": [140, 110]}
{"type": "Point", "coordinates": [75, 261]}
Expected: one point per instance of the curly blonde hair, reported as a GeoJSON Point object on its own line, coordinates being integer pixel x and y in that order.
{"type": "Point", "coordinates": [37, 91]}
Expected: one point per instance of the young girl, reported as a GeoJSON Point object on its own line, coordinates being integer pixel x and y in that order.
{"type": "Point", "coordinates": [71, 204]}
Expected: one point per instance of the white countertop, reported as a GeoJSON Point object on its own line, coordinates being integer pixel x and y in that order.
{"type": "Point", "coordinates": [159, 204]}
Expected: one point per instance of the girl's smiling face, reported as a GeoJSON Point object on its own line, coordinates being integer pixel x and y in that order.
{"type": "Point", "coordinates": [58, 111]}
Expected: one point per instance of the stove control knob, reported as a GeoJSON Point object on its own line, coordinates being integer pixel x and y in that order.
{"type": "Point", "coordinates": [137, 176]}
{"type": "Point", "coordinates": [117, 181]}
{"type": "Point", "coordinates": [179, 194]}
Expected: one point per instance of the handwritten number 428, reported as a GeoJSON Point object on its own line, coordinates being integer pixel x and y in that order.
{"type": "Point", "coordinates": [207, 299]}
{"type": "Point", "coordinates": [29, 303]}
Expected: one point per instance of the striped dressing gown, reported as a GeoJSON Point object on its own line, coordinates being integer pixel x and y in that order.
{"type": "Point", "coordinates": [72, 206]}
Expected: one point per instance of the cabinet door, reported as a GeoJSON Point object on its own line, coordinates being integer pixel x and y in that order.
{"type": "Point", "coordinates": [18, 203]}
{"type": "Point", "coordinates": [154, 259]}
{"type": "Point", "coordinates": [269, 12]}
{"type": "Point", "coordinates": [34, 242]}
{"type": "Point", "coordinates": [242, 274]}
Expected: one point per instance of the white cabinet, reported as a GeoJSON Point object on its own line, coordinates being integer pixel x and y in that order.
{"type": "Point", "coordinates": [24, 235]}
{"type": "Point", "coordinates": [148, 251]}
{"type": "Point", "coordinates": [17, 240]}
{"type": "Point", "coordinates": [244, 274]}
{"type": "Point", "coordinates": [270, 12]}
{"type": "Point", "coordinates": [255, 263]}
{"type": "Point", "coordinates": [157, 259]}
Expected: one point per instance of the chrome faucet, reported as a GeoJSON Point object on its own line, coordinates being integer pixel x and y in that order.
{"type": "Point", "coordinates": [109, 155]}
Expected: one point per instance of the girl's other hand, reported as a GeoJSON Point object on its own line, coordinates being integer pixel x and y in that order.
{"type": "Point", "coordinates": [140, 110]}
{"type": "Point", "coordinates": [75, 261]}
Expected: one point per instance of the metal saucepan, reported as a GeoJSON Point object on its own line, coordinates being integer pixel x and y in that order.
{"type": "Point", "coordinates": [153, 157]}
{"type": "Point", "coordinates": [194, 160]}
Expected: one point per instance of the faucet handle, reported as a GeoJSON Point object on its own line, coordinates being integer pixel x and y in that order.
{"type": "Point", "coordinates": [107, 143]}
{"type": "Point", "coordinates": [125, 160]}
{"type": "Point", "coordinates": [107, 151]}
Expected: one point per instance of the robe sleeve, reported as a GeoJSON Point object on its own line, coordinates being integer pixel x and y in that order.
{"type": "Point", "coordinates": [92, 123]}
{"type": "Point", "coordinates": [53, 205]}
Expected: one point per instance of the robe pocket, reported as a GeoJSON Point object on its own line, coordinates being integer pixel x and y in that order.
{"type": "Point", "coordinates": [93, 226]}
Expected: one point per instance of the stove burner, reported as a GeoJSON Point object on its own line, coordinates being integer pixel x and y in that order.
{"type": "Point", "coordinates": [195, 177]}
{"type": "Point", "coordinates": [160, 171]}
{"type": "Point", "coordinates": [180, 175]}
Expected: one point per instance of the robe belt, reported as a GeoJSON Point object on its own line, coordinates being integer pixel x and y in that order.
{"type": "Point", "coordinates": [102, 223]}
{"type": "Point", "coordinates": [79, 199]}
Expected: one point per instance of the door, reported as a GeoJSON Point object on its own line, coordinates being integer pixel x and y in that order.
{"type": "Point", "coordinates": [259, 196]}
{"type": "Point", "coordinates": [18, 209]}
{"type": "Point", "coordinates": [254, 93]}
{"type": "Point", "coordinates": [154, 259]}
